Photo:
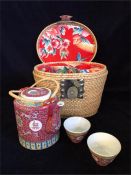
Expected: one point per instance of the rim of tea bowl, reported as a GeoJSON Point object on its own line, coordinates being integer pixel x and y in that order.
{"type": "Point", "coordinates": [104, 140]}
{"type": "Point", "coordinates": [71, 124]}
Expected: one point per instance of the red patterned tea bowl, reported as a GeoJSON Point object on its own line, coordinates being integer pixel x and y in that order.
{"type": "Point", "coordinates": [104, 147]}
{"type": "Point", "coordinates": [76, 128]}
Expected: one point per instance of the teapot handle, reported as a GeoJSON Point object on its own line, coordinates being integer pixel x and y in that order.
{"type": "Point", "coordinates": [45, 79]}
{"type": "Point", "coordinates": [12, 92]}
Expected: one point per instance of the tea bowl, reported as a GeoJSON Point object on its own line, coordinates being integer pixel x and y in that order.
{"type": "Point", "coordinates": [76, 128]}
{"type": "Point", "coordinates": [104, 147]}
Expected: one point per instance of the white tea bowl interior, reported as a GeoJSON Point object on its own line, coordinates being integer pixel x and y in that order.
{"type": "Point", "coordinates": [104, 144]}
{"type": "Point", "coordinates": [77, 124]}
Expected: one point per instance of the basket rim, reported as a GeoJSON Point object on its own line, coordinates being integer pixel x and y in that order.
{"type": "Point", "coordinates": [80, 76]}
{"type": "Point", "coordinates": [66, 74]}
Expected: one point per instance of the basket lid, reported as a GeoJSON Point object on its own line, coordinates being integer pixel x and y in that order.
{"type": "Point", "coordinates": [66, 40]}
{"type": "Point", "coordinates": [36, 93]}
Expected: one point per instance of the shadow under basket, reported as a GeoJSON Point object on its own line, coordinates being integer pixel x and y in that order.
{"type": "Point", "coordinates": [92, 83]}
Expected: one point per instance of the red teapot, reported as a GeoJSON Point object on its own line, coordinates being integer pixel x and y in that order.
{"type": "Point", "coordinates": [37, 112]}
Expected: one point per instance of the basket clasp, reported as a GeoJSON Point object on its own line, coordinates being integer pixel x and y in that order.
{"type": "Point", "coordinates": [65, 17]}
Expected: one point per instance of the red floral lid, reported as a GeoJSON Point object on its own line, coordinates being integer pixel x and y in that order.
{"type": "Point", "coordinates": [66, 40]}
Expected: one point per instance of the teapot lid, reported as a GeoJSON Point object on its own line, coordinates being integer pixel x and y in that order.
{"type": "Point", "coordinates": [66, 40]}
{"type": "Point", "coordinates": [36, 93]}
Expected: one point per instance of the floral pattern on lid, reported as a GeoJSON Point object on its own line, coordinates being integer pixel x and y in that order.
{"type": "Point", "coordinates": [66, 41]}
{"type": "Point", "coordinates": [35, 92]}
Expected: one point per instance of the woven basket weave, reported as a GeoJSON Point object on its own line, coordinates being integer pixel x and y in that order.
{"type": "Point", "coordinates": [93, 89]}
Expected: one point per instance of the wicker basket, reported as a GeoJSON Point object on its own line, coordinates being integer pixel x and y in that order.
{"type": "Point", "coordinates": [93, 87]}
{"type": "Point", "coordinates": [93, 82]}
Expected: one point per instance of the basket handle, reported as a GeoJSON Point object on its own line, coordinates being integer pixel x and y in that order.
{"type": "Point", "coordinates": [12, 92]}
